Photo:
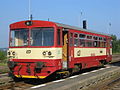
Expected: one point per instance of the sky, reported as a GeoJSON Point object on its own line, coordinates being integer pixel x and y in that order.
{"type": "Point", "coordinates": [98, 13]}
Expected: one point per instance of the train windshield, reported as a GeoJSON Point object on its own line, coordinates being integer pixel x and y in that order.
{"type": "Point", "coordinates": [42, 37]}
{"type": "Point", "coordinates": [19, 37]}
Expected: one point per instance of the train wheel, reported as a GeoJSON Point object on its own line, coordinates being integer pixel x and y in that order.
{"type": "Point", "coordinates": [102, 63]}
{"type": "Point", "coordinates": [63, 74]}
{"type": "Point", "coordinates": [17, 79]}
{"type": "Point", "coordinates": [78, 67]}
{"type": "Point", "coordinates": [10, 74]}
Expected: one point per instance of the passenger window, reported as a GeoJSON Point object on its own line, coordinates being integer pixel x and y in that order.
{"type": "Point", "coordinates": [82, 36]}
{"type": "Point", "coordinates": [89, 37]}
{"type": "Point", "coordinates": [95, 44]}
{"type": "Point", "coordinates": [82, 40]}
{"type": "Point", "coordinates": [95, 38]}
{"type": "Point", "coordinates": [104, 40]}
{"type": "Point", "coordinates": [104, 45]}
{"type": "Point", "coordinates": [82, 43]}
{"type": "Point", "coordinates": [89, 43]}
{"type": "Point", "coordinates": [76, 39]}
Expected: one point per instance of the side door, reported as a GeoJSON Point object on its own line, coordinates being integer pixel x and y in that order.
{"type": "Point", "coordinates": [71, 50]}
{"type": "Point", "coordinates": [65, 49]}
{"type": "Point", "coordinates": [68, 49]}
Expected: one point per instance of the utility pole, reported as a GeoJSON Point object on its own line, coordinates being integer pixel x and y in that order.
{"type": "Point", "coordinates": [30, 15]}
{"type": "Point", "coordinates": [80, 19]}
{"type": "Point", "coordinates": [109, 26]}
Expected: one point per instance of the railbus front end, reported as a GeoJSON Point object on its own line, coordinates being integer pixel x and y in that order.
{"type": "Point", "coordinates": [32, 52]}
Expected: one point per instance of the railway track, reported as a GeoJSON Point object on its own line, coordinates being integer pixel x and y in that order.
{"type": "Point", "coordinates": [25, 84]}
{"type": "Point", "coordinates": [110, 84]}
{"type": "Point", "coordinates": [3, 75]}
{"type": "Point", "coordinates": [113, 85]}
{"type": "Point", "coordinates": [11, 85]}
{"type": "Point", "coordinates": [15, 86]}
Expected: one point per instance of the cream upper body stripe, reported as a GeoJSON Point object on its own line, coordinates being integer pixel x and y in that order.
{"type": "Point", "coordinates": [37, 53]}
{"type": "Point", "coordinates": [86, 52]}
{"type": "Point", "coordinates": [56, 53]}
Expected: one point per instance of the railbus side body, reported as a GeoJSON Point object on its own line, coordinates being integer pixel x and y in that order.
{"type": "Point", "coordinates": [38, 49]}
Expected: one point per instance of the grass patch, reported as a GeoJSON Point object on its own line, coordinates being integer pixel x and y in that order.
{"type": "Point", "coordinates": [6, 70]}
{"type": "Point", "coordinates": [3, 68]}
{"type": "Point", "coordinates": [3, 64]}
{"type": "Point", "coordinates": [116, 53]}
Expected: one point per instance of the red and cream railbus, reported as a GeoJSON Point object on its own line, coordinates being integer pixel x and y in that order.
{"type": "Point", "coordinates": [38, 49]}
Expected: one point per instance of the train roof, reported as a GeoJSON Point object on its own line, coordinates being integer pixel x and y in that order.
{"type": "Point", "coordinates": [81, 29]}
{"type": "Point", "coordinates": [60, 25]}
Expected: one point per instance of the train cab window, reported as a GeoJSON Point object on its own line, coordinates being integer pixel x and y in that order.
{"type": "Point", "coordinates": [76, 39]}
{"type": "Point", "coordinates": [42, 37]}
{"type": "Point", "coordinates": [58, 36]}
{"type": "Point", "coordinates": [19, 37]}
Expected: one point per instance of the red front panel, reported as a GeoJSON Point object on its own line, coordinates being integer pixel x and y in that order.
{"type": "Point", "coordinates": [23, 65]}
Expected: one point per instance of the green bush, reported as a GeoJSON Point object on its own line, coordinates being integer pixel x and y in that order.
{"type": "Point", "coordinates": [115, 44]}
{"type": "Point", "coordinates": [3, 57]}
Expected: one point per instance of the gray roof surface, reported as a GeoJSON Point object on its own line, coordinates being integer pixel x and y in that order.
{"type": "Point", "coordinates": [81, 29]}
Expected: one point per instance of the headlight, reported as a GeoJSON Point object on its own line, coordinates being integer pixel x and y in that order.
{"type": "Point", "coordinates": [13, 53]}
{"type": "Point", "coordinates": [49, 53]}
{"type": "Point", "coordinates": [9, 53]}
{"type": "Point", "coordinates": [28, 23]}
{"type": "Point", "coordinates": [44, 53]}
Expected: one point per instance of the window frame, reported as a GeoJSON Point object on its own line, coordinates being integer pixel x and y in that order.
{"type": "Point", "coordinates": [76, 38]}
{"type": "Point", "coordinates": [43, 45]}
{"type": "Point", "coordinates": [60, 34]}
{"type": "Point", "coordinates": [10, 38]}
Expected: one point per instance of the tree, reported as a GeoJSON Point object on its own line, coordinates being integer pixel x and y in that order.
{"type": "Point", "coordinates": [115, 44]}
{"type": "Point", "coordinates": [2, 56]}
{"type": "Point", "coordinates": [114, 38]}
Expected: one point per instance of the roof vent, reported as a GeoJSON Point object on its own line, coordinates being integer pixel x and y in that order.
{"type": "Point", "coordinates": [84, 24]}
